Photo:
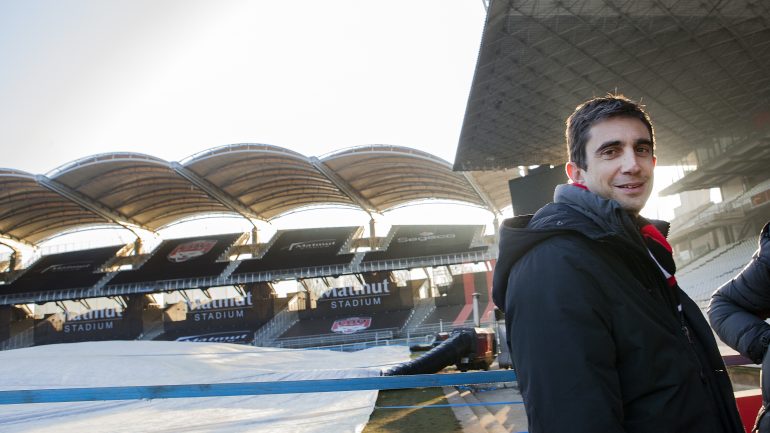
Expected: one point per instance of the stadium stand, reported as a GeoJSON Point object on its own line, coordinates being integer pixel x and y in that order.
{"type": "Point", "coordinates": [184, 258]}
{"type": "Point", "coordinates": [446, 314]}
{"type": "Point", "coordinates": [71, 270]}
{"type": "Point", "coordinates": [348, 313]}
{"type": "Point", "coordinates": [321, 331]}
{"type": "Point", "coordinates": [304, 248]}
{"type": "Point", "coordinates": [702, 277]}
{"type": "Point", "coordinates": [381, 320]}
{"type": "Point", "coordinates": [455, 304]}
{"type": "Point", "coordinates": [231, 319]}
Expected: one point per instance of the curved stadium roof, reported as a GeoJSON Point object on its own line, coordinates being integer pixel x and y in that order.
{"type": "Point", "coordinates": [255, 181]}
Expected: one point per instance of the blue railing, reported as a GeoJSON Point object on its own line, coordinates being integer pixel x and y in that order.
{"type": "Point", "coordinates": [25, 396]}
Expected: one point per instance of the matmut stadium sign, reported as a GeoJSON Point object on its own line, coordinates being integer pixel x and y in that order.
{"type": "Point", "coordinates": [352, 297]}
{"type": "Point", "coordinates": [92, 321]}
{"type": "Point", "coordinates": [68, 267]}
{"type": "Point", "coordinates": [310, 246]}
{"type": "Point", "coordinates": [219, 309]}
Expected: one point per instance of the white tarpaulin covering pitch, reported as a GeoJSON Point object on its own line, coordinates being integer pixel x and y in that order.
{"type": "Point", "coordinates": [133, 363]}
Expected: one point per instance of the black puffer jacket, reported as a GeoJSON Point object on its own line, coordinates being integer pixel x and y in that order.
{"type": "Point", "coordinates": [595, 337]}
{"type": "Point", "coordinates": [738, 310]}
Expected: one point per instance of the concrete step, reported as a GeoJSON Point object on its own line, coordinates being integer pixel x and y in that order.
{"type": "Point", "coordinates": [487, 419]}
{"type": "Point", "coordinates": [474, 418]}
{"type": "Point", "coordinates": [480, 410]}
{"type": "Point", "coordinates": [512, 416]}
{"type": "Point", "coordinates": [467, 418]}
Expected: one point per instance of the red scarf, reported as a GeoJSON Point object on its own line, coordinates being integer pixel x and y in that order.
{"type": "Point", "coordinates": [660, 249]}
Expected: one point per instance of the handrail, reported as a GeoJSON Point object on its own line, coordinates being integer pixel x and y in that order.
{"type": "Point", "coordinates": [59, 395]}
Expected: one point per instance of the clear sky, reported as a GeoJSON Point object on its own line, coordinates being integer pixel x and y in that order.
{"type": "Point", "coordinates": [173, 77]}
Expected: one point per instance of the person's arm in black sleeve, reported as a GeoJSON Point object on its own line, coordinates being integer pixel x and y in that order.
{"type": "Point", "coordinates": [562, 347]}
{"type": "Point", "coordinates": [737, 308]}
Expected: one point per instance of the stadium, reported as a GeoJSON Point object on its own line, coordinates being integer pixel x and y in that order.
{"type": "Point", "coordinates": [202, 256]}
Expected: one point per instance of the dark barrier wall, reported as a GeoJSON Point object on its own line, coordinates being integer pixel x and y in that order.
{"type": "Point", "coordinates": [531, 192]}
{"type": "Point", "coordinates": [182, 258]}
{"type": "Point", "coordinates": [453, 294]}
{"type": "Point", "coordinates": [6, 312]}
{"type": "Point", "coordinates": [70, 270]}
{"type": "Point", "coordinates": [303, 248]}
{"type": "Point", "coordinates": [426, 240]}
{"type": "Point", "coordinates": [224, 318]}
{"type": "Point", "coordinates": [462, 288]}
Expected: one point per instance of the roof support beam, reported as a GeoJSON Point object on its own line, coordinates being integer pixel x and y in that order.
{"type": "Point", "coordinates": [91, 205]}
{"type": "Point", "coordinates": [344, 186]}
{"type": "Point", "coordinates": [351, 192]}
{"type": "Point", "coordinates": [482, 195]}
{"type": "Point", "coordinates": [217, 193]}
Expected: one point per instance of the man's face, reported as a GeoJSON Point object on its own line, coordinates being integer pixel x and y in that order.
{"type": "Point", "coordinates": [619, 162]}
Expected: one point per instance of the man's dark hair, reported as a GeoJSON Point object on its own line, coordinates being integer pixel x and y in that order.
{"type": "Point", "coordinates": [593, 111]}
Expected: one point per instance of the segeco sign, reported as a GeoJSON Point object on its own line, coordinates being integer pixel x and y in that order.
{"type": "Point", "coordinates": [190, 250]}
{"type": "Point", "coordinates": [424, 237]}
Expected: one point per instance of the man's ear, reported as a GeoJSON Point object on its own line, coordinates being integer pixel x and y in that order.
{"type": "Point", "coordinates": [574, 173]}
{"type": "Point", "coordinates": [654, 160]}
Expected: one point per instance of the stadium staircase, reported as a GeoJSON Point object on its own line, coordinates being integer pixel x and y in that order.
{"type": "Point", "coordinates": [421, 311]}
{"type": "Point", "coordinates": [152, 332]}
{"type": "Point", "coordinates": [357, 258]}
{"type": "Point", "coordinates": [152, 324]}
{"type": "Point", "coordinates": [103, 281]}
{"type": "Point", "coordinates": [280, 323]}
{"type": "Point", "coordinates": [472, 407]}
{"type": "Point", "coordinates": [230, 268]}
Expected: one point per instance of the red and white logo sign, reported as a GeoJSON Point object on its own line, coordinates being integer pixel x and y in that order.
{"type": "Point", "coordinates": [351, 325]}
{"type": "Point", "coordinates": [190, 250]}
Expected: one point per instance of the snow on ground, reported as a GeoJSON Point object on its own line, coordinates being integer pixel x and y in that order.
{"type": "Point", "coordinates": [131, 363]}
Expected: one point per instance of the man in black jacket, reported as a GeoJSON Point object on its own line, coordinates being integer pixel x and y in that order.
{"type": "Point", "coordinates": [602, 339]}
{"type": "Point", "coordinates": [737, 312]}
